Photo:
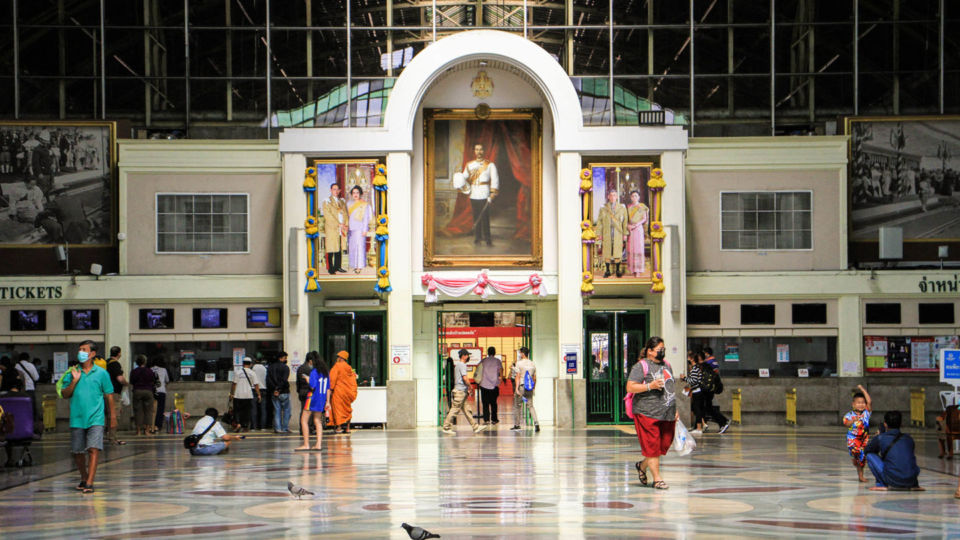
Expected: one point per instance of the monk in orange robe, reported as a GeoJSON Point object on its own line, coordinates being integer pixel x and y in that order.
{"type": "Point", "coordinates": [343, 392]}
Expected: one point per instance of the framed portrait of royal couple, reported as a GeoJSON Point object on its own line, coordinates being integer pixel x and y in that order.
{"type": "Point", "coordinates": [346, 208]}
{"type": "Point", "coordinates": [482, 185]}
{"type": "Point", "coordinates": [621, 214]}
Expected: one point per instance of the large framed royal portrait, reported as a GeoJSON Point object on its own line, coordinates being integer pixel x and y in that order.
{"type": "Point", "coordinates": [482, 181]}
{"type": "Point", "coordinates": [622, 212]}
{"type": "Point", "coordinates": [346, 210]}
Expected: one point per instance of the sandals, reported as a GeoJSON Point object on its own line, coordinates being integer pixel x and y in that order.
{"type": "Point", "coordinates": [81, 486]}
{"type": "Point", "coordinates": [660, 484]}
{"type": "Point", "coordinates": [641, 472]}
{"type": "Point", "coordinates": [87, 489]}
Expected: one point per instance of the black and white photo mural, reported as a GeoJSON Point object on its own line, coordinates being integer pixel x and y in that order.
{"type": "Point", "coordinates": [905, 172]}
{"type": "Point", "coordinates": [56, 183]}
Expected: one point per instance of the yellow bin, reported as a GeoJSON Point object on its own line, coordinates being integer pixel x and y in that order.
{"type": "Point", "coordinates": [49, 404]}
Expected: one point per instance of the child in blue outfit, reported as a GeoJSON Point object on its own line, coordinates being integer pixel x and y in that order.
{"type": "Point", "coordinates": [857, 422]}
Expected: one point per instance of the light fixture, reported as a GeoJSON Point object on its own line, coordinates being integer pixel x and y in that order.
{"type": "Point", "coordinates": [352, 302]}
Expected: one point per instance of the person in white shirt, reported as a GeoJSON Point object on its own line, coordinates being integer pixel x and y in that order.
{"type": "Point", "coordinates": [160, 393]}
{"type": "Point", "coordinates": [259, 416]}
{"type": "Point", "coordinates": [526, 369]}
{"type": "Point", "coordinates": [34, 195]}
{"type": "Point", "coordinates": [209, 444]}
{"type": "Point", "coordinates": [28, 372]}
{"type": "Point", "coordinates": [245, 387]}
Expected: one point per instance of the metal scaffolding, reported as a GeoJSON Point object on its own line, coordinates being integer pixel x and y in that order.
{"type": "Point", "coordinates": [726, 67]}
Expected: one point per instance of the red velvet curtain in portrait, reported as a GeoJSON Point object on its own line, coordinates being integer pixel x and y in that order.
{"type": "Point", "coordinates": [511, 137]}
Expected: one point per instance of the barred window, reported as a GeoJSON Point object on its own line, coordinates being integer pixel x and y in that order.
{"type": "Point", "coordinates": [766, 220]}
{"type": "Point", "coordinates": [202, 222]}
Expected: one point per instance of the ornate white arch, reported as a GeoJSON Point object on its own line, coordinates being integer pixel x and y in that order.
{"type": "Point", "coordinates": [431, 63]}
{"type": "Point", "coordinates": [551, 81]}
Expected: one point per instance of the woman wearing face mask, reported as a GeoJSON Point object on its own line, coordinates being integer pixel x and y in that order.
{"type": "Point", "coordinates": [654, 408]}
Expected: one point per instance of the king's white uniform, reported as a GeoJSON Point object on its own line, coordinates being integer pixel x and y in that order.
{"type": "Point", "coordinates": [479, 180]}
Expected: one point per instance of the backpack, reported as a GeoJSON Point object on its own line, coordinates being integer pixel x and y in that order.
{"type": "Point", "coordinates": [528, 382]}
{"type": "Point", "coordinates": [628, 399]}
{"type": "Point", "coordinates": [711, 381]}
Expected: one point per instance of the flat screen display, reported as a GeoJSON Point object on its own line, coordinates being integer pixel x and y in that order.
{"type": "Point", "coordinates": [263, 317]}
{"type": "Point", "coordinates": [156, 319]}
{"type": "Point", "coordinates": [81, 319]}
{"type": "Point", "coordinates": [34, 320]}
{"type": "Point", "coordinates": [209, 318]}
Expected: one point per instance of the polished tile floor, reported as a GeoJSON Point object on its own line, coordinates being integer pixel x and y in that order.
{"type": "Point", "coordinates": [752, 482]}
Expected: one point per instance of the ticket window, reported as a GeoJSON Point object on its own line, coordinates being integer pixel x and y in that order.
{"type": "Point", "coordinates": [363, 335]}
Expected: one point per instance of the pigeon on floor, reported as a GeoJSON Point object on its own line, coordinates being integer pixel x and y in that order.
{"type": "Point", "coordinates": [297, 491]}
{"type": "Point", "coordinates": [417, 533]}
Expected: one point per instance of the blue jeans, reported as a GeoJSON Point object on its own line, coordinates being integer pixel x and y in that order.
{"type": "Point", "coordinates": [281, 412]}
{"type": "Point", "coordinates": [876, 467]}
{"type": "Point", "coordinates": [259, 415]}
{"type": "Point", "coordinates": [209, 450]}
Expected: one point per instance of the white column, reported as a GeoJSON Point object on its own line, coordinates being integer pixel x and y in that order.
{"type": "Point", "coordinates": [673, 323]}
{"type": "Point", "coordinates": [850, 337]}
{"type": "Point", "coordinates": [569, 263]}
{"type": "Point", "coordinates": [400, 300]}
{"type": "Point", "coordinates": [296, 326]}
{"type": "Point", "coordinates": [117, 332]}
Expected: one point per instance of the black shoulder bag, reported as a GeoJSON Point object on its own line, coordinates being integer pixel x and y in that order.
{"type": "Point", "coordinates": [191, 441]}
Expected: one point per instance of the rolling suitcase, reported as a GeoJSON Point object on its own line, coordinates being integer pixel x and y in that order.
{"type": "Point", "coordinates": [22, 435]}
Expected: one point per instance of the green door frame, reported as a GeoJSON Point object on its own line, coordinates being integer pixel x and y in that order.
{"type": "Point", "coordinates": [618, 367]}
{"type": "Point", "coordinates": [353, 341]}
{"type": "Point", "coordinates": [525, 318]}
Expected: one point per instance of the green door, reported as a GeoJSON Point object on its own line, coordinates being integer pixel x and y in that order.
{"type": "Point", "coordinates": [612, 343]}
{"type": "Point", "coordinates": [363, 335]}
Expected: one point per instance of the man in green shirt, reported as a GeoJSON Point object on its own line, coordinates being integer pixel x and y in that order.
{"type": "Point", "coordinates": [86, 385]}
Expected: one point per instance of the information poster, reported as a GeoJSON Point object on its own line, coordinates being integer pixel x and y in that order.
{"type": "Point", "coordinates": [60, 361]}
{"type": "Point", "coordinates": [783, 353]}
{"type": "Point", "coordinates": [400, 355]}
{"type": "Point", "coordinates": [803, 373]}
{"type": "Point", "coordinates": [238, 354]}
{"type": "Point", "coordinates": [764, 373]}
{"type": "Point", "coordinates": [188, 359]}
{"type": "Point", "coordinates": [731, 353]}
{"type": "Point", "coordinates": [906, 354]}
{"type": "Point", "coordinates": [921, 349]}
{"type": "Point", "coordinates": [210, 377]}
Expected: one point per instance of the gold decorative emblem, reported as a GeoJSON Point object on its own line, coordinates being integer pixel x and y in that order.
{"type": "Point", "coordinates": [482, 85]}
{"type": "Point", "coordinates": [482, 111]}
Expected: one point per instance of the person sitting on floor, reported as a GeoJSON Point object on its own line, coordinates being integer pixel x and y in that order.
{"type": "Point", "coordinates": [209, 445]}
{"type": "Point", "coordinates": [890, 456]}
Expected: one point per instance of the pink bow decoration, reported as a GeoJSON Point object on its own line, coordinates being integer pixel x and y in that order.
{"type": "Point", "coordinates": [481, 286]}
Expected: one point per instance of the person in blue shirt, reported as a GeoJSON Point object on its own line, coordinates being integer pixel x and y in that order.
{"type": "Point", "coordinates": [317, 404]}
{"type": "Point", "coordinates": [890, 456]}
{"type": "Point", "coordinates": [88, 387]}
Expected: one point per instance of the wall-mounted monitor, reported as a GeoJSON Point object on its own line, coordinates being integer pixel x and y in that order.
{"type": "Point", "coordinates": [156, 319]}
{"type": "Point", "coordinates": [34, 320]}
{"type": "Point", "coordinates": [263, 317]}
{"type": "Point", "coordinates": [209, 318]}
{"type": "Point", "coordinates": [81, 319]}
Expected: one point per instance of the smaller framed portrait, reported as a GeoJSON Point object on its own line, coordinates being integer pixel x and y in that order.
{"type": "Point", "coordinates": [346, 210]}
{"type": "Point", "coordinates": [621, 212]}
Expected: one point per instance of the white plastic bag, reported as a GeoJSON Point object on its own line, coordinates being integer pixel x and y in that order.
{"type": "Point", "coordinates": [683, 442]}
{"type": "Point", "coordinates": [125, 397]}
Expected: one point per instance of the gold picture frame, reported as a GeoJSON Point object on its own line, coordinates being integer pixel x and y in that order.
{"type": "Point", "coordinates": [347, 173]}
{"type": "Point", "coordinates": [16, 136]}
{"type": "Point", "coordinates": [524, 246]}
{"type": "Point", "coordinates": [643, 171]}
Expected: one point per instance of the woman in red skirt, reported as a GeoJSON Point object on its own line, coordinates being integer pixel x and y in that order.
{"type": "Point", "coordinates": [654, 408]}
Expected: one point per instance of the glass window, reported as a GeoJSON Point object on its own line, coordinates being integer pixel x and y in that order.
{"type": "Point", "coordinates": [766, 220]}
{"type": "Point", "coordinates": [783, 356]}
{"type": "Point", "coordinates": [202, 223]}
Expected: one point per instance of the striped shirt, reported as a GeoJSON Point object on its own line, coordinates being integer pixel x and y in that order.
{"type": "Point", "coordinates": [695, 377]}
